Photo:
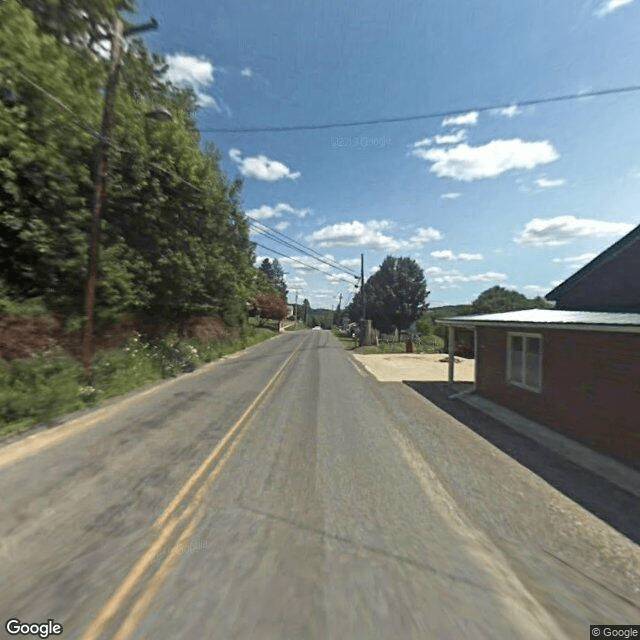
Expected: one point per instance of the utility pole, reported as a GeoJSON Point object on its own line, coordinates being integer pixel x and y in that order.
{"type": "Point", "coordinates": [100, 182]}
{"type": "Point", "coordinates": [364, 299]}
{"type": "Point", "coordinates": [295, 311]}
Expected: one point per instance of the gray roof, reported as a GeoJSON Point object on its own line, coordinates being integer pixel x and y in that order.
{"type": "Point", "coordinates": [589, 319]}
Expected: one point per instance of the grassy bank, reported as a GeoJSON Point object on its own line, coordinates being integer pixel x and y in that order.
{"type": "Point", "coordinates": [37, 390]}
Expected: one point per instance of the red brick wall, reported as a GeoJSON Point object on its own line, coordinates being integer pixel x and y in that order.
{"type": "Point", "coordinates": [590, 385]}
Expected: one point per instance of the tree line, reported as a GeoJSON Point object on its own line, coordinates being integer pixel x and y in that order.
{"type": "Point", "coordinates": [174, 241]}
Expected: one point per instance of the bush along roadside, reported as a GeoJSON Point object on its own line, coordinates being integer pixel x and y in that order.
{"type": "Point", "coordinates": [50, 385]}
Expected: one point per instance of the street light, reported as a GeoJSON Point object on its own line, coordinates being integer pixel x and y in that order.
{"type": "Point", "coordinates": [100, 182]}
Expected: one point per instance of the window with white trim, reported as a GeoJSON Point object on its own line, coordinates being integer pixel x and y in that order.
{"type": "Point", "coordinates": [524, 360]}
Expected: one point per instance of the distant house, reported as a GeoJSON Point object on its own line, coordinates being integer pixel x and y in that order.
{"type": "Point", "coordinates": [574, 368]}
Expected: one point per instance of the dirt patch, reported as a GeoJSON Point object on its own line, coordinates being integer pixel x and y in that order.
{"type": "Point", "coordinates": [427, 367]}
{"type": "Point", "coordinates": [27, 337]}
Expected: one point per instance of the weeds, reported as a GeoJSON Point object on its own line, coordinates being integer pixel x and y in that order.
{"type": "Point", "coordinates": [52, 384]}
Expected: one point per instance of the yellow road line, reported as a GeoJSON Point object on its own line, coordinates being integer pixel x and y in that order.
{"type": "Point", "coordinates": [175, 503]}
{"type": "Point", "coordinates": [169, 524]}
{"type": "Point", "coordinates": [156, 581]}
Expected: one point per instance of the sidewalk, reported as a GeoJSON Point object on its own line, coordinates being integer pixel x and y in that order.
{"type": "Point", "coordinates": [615, 472]}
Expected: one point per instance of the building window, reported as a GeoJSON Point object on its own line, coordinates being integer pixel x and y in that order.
{"type": "Point", "coordinates": [524, 360]}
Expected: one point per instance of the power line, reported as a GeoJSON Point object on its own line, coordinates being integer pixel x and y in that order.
{"type": "Point", "coordinates": [296, 246]}
{"type": "Point", "coordinates": [427, 116]}
{"type": "Point", "coordinates": [284, 255]}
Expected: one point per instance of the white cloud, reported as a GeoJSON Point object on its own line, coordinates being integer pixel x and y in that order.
{"type": "Point", "coordinates": [185, 70]}
{"type": "Point", "coordinates": [369, 235]}
{"type": "Point", "coordinates": [453, 138]}
{"type": "Point", "coordinates": [536, 289]}
{"type": "Point", "coordinates": [281, 226]}
{"type": "Point", "coordinates": [425, 142]}
{"type": "Point", "coordinates": [429, 234]}
{"type": "Point", "coordinates": [545, 183]}
{"type": "Point", "coordinates": [447, 254]}
{"type": "Point", "coordinates": [336, 278]}
{"type": "Point", "coordinates": [452, 195]}
{"type": "Point", "coordinates": [487, 161]}
{"type": "Point", "coordinates": [564, 229]}
{"type": "Point", "coordinates": [296, 283]}
{"type": "Point", "coordinates": [300, 263]}
{"type": "Point", "coordinates": [555, 283]}
{"type": "Point", "coordinates": [265, 212]}
{"type": "Point", "coordinates": [444, 254]}
{"type": "Point", "coordinates": [576, 261]}
{"type": "Point", "coordinates": [350, 263]}
{"type": "Point", "coordinates": [262, 168]}
{"type": "Point", "coordinates": [246, 72]}
{"type": "Point", "coordinates": [461, 120]}
{"type": "Point", "coordinates": [454, 277]}
{"type": "Point", "coordinates": [509, 112]}
{"type": "Point", "coordinates": [610, 6]}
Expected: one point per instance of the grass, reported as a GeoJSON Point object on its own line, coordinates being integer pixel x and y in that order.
{"type": "Point", "coordinates": [427, 344]}
{"type": "Point", "coordinates": [38, 390]}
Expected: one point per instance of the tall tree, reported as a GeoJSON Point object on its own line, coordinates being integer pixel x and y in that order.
{"type": "Point", "coordinates": [275, 275]}
{"type": "Point", "coordinates": [396, 294]}
{"type": "Point", "coordinates": [306, 311]}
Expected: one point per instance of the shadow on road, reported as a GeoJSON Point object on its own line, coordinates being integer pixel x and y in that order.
{"type": "Point", "coordinates": [607, 501]}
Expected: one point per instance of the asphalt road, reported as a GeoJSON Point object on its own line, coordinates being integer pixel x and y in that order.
{"type": "Point", "coordinates": [286, 494]}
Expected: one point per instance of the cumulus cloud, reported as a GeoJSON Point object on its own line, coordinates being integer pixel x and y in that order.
{"type": "Point", "coordinates": [461, 120]}
{"type": "Point", "coordinates": [246, 72]}
{"type": "Point", "coordinates": [369, 235]}
{"type": "Point", "coordinates": [184, 70]}
{"type": "Point", "coordinates": [262, 168]}
{"type": "Point", "coordinates": [576, 261]}
{"type": "Point", "coordinates": [564, 229]}
{"type": "Point", "coordinates": [545, 183]}
{"type": "Point", "coordinates": [610, 6]}
{"type": "Point", "coordinates": [452, 138]}
{"type": "Point", "coordinates": [454, 277]}
{"type": "Point", "coordinates": [536, 289]}
{"type": "Point", "coordinates": [265, 212]}
{"type": "Point", "coordinates": [452, 195]}
{"type": "Point", "coordinates": [425, 142]}
{"type": "Point", "coordinates": [281, 226]}
{"type": "Point", "coordinates": [350, 263]}
{"type": "Point", "coordinates": [300, 263]}
{"type": "Point", "coordinates": [509, 112]}
{"type": "Point", "coordinates": [490, 160]}
{"type": "Point", "coordinates": [447, 254]}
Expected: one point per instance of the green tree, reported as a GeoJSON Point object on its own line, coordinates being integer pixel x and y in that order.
{"type": "Point", "coordinates": [396, 294]}
{"type": "Point", "coordinates": [497, 299]}
{"type": "Point", "coordinates": [275, 275]}
{"type": "Point", "coordinates": [306, 312]}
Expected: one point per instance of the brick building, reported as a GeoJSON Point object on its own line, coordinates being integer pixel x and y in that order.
{"type": "Point", "coordinates": [574, 368]}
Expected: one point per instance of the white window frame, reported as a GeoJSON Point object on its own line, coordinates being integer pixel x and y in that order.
{"type": "Point", "coordinates": [524, 336]}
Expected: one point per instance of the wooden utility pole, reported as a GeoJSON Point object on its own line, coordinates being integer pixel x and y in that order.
{"type": "Point", "coordinates": [100, 182]}
{"type": "Point", "coordinates": [364, 299]}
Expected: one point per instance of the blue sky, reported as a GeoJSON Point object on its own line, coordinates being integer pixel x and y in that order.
{"type": "Point", "coordinates": [520, 197]}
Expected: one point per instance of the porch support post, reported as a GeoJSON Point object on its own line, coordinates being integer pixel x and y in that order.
{"type": "Point", "coordinates": [451, 341]}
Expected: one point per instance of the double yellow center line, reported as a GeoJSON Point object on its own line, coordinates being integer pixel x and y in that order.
{"type": "Point", "coordinates": [167, 525]}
